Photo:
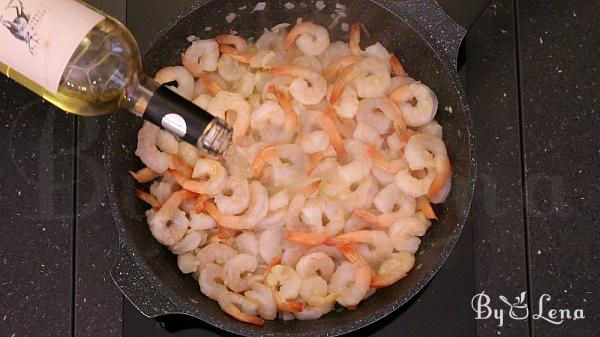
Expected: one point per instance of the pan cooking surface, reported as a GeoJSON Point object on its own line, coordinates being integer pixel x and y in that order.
{"type": "Point", "coordinates": [147, 272]}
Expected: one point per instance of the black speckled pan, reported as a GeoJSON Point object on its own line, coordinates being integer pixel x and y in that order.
{"type": "Point", "coordinates": [423, 36]}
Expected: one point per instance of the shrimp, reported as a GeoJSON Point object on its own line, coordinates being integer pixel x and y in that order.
{"type": "Point", "coordinates": [393, 269]}
{"type": "Point", "coordinates": [298, 201]}
{"type": "Point", "coordinates": [201, 56]}
{"type": "Point", "coordinates": [413, 186]}
{"type": "Point", "coordinates": [442, 194]}
{"type": "Point", "coordinates": [327, 124]}
{"type": "Point", "coordinates": [144, 175]}
{"type": "Point", "coordinates": [428, 151]}
{"type": "Point", "coordinates": [240, 307]}
{"type": "Point", "coordinates": [379, 51]}
{"type": "Point", "coordinates": [247, 243]}
{"type": "Point", "coordinates": [310, 38]}
{"type": "Point", "coordinates": [262, 295]}
{"type": "Point", "coordinates": [324, 214]}
{"type": "Point", "coordinates": [370, 77]}
{"type": "Point", "coordinates": [418, 103]}
{"type": "Point", "coordinates": [187, 263]}
{"type": "Point", "coordinates": [348, 104]}
{"type": "Point", "coordinates": [309, 62]}
{"type": "Point", "coordinates": [285, 284]}
{"type": "Point", "coordinates": [308, 88]}
{"type": "Point", "coordinates": [190, 241]}
{"type": "Point", "coordinates": [235, 198]}
{"type": "Point", "coordinates": [166, 142]}
{"type": "Point", "coordinates": [188, 152]}
{"type": "Point", "coordinates": [234, 270]}
{"type": "Point", "coordinates": [214, 85]}
{"type": "Point", "coordinates": [367, 134]}
{"type": "Point", "coordinates": [405, 229]}
{"type": "Point", "coordinates": [315, 264]}
{"type": "Point", "coordinates": [271, 154]}
{"type": "Point", "coordinates": [380, 247]}
{"type": "Point", "coordinates": [351, 280]}
{"type": "Point", "coordinates": [230, 69]}
{"type": "Point", "coordinates": [316, 141]}
{"type": "Point", "coordinates": [245, 85]}
{"type": "Point", "coordinates": [314, 291]}
{"type": "Point", "coordinates": [212, 280]}
{"type": "Point", "coordinates": [164, 233]}
{"type": "Point", "coordinates": [162, 190]}
{"type": "Point", "coordinates": [147, 151]}
{"type": "Point", "coordinates": [238, 42]}
{"type": "Point", "coordinates": [216, 252]}
{"type": "Point", "coordinates": [307, 239]}
{"type": "Point", "coordinates": [391, 197]}
{"type": "Point", "coordinates": [397, 82]}
{"type": "Point", "coordinates": [235, 54]}
{"type": "Point", "coordinates": [210, 177]}
{"type": "Point", "coordinates": [424, 206]}
{"type": "Point", "coordinates": [313, 312]}
{"type": "Point", "coordinates": [432, 128]}
{"type": "Point", "coordinates": [185, 81]}
{"type": "Point", "coordinates": [147, 198]}
{"type": "Point", "coordinates": [368, 113]}
{"type": "Point", "coordinates": [269, 244]}
{"type": "Point", "coordinates": [201, 221]}
{"type": "Point", "coordinates": [257, 210]}
{"type": "Point", "coordinates": [341, 63]}
{"type": "Point", "coordinates": [397, 68]}
{"type": "Point", "coordinates": [382, 221]}
{"type": "Point", "coordinates": [354, 39]}
{"type": "Point", "coordinates": [227, 102]}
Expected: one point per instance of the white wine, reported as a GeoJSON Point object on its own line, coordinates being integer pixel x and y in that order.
{"type": "Point", "coordinates": [89, 64]}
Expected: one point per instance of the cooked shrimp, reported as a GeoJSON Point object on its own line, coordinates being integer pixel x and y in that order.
{"type": "Point", "coordinates": [333, 52]}
{"type": "Point", "coordinates": [370, 77]}
{"type": "Point", "coordinates": [235, 54]}
{"type": "Point", "coordinates": [351, 280]}
{"type": "Point", "coordinates": [269, 244]}
{"type": "Point", "coordinates": [240, 307]}
{"type": "Point", "coordinates": [245, 85]}
{"type": "Point", "coordinates": [230, 69]}
{"type": "Point", "coordinates": [163, 232]}
{"type": "Point", "coordinates": [247, 243]}
{"type": "Point", "coordinates": [217, 253]}
{"type": "Point", "coordinates": [262, 295]}
{"type": "Point", "coordinates": [144, 175]}
{"type": "Point", "coordinates": [187, 263]}
{"type": "Point", "coordinates": [379, 51]}
{"type": "Point", "coordinates": [228, 103]}
{"type": "Point", "coordinates": [298, 201]}
{"type": "Point", "coordinates": [325, 123]}
{"type": "Point", "coordinates": [147, 198]}
{"type": "Point", "coordinates": [367, 134]}
{"type": "Point", "coordinates": [354, 39]}
{"type": "Point", "coordinates": [307, 238]}
{"type": "Point", "coordinates": [210, 177]}
{"type": "Point", "coordinates": [413, 186]}
{"type": "Point", "coordinates": [324, 214]}
{"type": "Point", "coordinates": [308, 88]}
{"type": "Point", "coordinates": [397, 68]}
{"type": "Point", "coordinates": [442, 194]}
{"type": "Point", "coordinates": [211, 85]}
{"type": "Point", "coordinates": [314, 291]}
{"type": "Point", "coordinates": [309, 62]}
{"type": "Point", "coordinates": [235, 198]}
{"type": "Point", "coordinates": [201, 221]}
{"type": "Point", "coordinates": [428, 151]}
{"type": "Point", "coordinates": [234, 270]}
{"type": "Point", "coordinates": [424, 206]}
{"type": "Point", "coordinates": [269, 112]}
{"type": "Point", "coordinates": [337, 65]}
{"type": "Point", "coordinates": [368, 112]}
{"type": "Point", "coordinates": [166, 142]}
{"type": "Point", "coordinates": [259, 206]}
{"type": "Point", "coordinates": [147, 151]}
{"type": "Point", "coordinates": [316, 141]}
{"type": "Point", "coordinates": [391, 199]}
{"type": "Point", "coordinates": [285, 283]}
{"type": "Point", "coordinates": [348, 104]}
{"type": "Point", "coordinates": [201, 56]}
{"type": "Point", "coordinates": [382, 221]}
{"type": "Point", "coordinates": [290, 152]}
{"type": "Point", "coordinates": [393, 269]}
{"type": "Point", "coordinates": [185, 81]}
{"type": "Point", "coordinates": [378, 241]}
{"type": "Point", "coordinates": [432, 128]}
{"type": "Point", "coordinates": [190, 241]}
{"type": "Point", "coordinates": [418, 103]}
{"type": "Point", "coordinates": [310, 38]}
{"type": "Point", "coordinates": [212, 280]}
{"type": "Point", "coordinates": [238, 42]}
{"type": "Point", "coordinates": [315, 264]}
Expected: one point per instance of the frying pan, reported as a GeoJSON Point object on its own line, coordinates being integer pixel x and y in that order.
{"type": "Point", "coordinates": [426, 40]}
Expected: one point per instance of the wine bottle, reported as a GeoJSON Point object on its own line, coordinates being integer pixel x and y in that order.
{"type": "Point", "coordinates": [87, 63]}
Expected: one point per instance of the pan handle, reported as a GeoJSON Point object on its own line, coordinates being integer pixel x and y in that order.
{"type": "Point", "coordinates": [138, 287]}
{"type": "Point", "coordinates": [444, 32]}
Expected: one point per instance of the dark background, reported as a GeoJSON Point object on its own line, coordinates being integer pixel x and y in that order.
{"type": "Point", "coordinates": [531, 74]}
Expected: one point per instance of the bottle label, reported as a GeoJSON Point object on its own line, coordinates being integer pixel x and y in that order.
{"type": "Point", "coordinates": [38, 37]}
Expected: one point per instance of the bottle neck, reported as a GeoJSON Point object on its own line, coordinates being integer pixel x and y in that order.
{"type": "Point", "coordinates": [138, 93]}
